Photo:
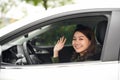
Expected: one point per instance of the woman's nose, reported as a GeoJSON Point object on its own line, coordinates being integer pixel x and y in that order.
{"type": "Point", "coordinates": [77, 42]}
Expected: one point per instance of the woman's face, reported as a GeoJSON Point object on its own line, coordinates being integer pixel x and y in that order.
{"type": "Point", "coordinates": [80, 42]}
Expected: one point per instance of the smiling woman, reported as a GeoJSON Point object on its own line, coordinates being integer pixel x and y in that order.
{"type": "Point", "coordinates": [83, 43]}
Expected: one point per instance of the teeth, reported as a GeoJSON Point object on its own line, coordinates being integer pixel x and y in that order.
{"type": "Point", "coordinates": [77, 47]}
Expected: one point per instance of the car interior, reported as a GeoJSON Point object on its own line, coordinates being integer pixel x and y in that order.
{"type": "Point", "coordinates": [39, 48]}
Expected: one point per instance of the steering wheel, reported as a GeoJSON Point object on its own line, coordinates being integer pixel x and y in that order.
{"type": "Point", "coordinates": [30, 55]}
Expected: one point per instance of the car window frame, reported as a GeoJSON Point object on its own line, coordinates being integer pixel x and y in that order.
{"type": "Point", "coordinates": [87, 13]}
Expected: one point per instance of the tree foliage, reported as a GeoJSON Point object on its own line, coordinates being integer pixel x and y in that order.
{"type": "Point", "coordinates": [51, 37]}
{"type": "Point", "coordinates": [5, 6]}
{"type": "Point", "coordinates": [50, 3]}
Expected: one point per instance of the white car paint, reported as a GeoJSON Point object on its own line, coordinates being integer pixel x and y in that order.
{"type": "Point", "coordinates": [73, 71]}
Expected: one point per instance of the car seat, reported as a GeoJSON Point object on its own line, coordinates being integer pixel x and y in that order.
{"type": "Point", "coordinates": [100, 32]}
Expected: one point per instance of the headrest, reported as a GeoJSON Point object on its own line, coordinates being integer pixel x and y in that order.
{"type": "Point", "coordinates": [100, 31]}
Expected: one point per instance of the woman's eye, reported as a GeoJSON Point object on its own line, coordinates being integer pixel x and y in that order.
{"type": "Point", "coordinates": [74, 39]}
{"type": "Point", "coordinates": [80, 39]}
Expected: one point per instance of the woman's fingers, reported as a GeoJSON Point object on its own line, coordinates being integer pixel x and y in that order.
{"type": "Point", "coordinates": [60, 44]}
{"type": "Point", "coordinates": [62, 40]}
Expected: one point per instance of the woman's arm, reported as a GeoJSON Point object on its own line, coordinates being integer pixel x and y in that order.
{"type": "Point", "coordinates": [59, 45]}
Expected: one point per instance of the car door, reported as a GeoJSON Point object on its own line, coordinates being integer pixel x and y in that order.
{"type": "Point", "coordinates": [119, 67]}
{"type": "Point", "coordinates": [104, 69]}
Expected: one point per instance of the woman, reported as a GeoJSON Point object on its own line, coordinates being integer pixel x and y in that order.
{"type": "Point", "coordinates": [83, 43]}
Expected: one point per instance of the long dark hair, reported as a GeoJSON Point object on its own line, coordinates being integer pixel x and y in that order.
{"type": "Point", "coordinates": [90, 35]}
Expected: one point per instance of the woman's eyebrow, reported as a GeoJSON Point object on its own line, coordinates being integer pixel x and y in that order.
{"type": "Point", "coordinates": [79, 36]}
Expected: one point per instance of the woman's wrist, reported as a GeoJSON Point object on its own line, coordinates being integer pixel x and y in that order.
{"type": "Point", "coordinates": [55, 54]}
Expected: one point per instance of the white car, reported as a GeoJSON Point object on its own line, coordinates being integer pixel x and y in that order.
{"type": "Point", "coordinates": [26, 46]}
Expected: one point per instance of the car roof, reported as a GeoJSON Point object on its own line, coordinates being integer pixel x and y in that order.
{"type": "Point", "coordinates": [84, 6]}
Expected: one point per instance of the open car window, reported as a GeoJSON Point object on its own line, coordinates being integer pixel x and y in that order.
{"type": "Point", "coordinates": [36, 47]}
